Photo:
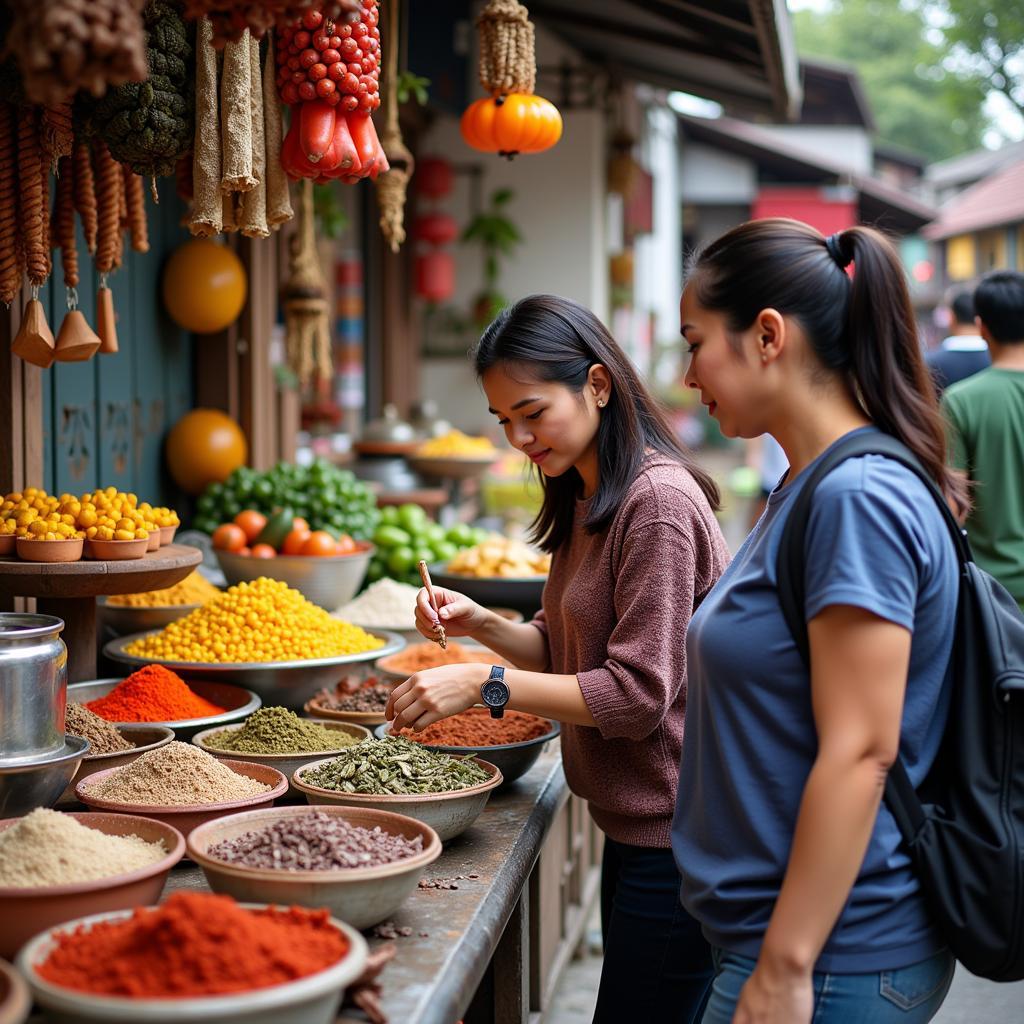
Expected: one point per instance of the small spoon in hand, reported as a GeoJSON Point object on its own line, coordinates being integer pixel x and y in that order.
{"type": "Point", "coordinates": [439, 629]}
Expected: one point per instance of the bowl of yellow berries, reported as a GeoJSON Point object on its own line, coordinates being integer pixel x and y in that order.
{"type": "Point", "coordinates": [52, 548]}
{"type": "Point", "coordinates": [454, 455]}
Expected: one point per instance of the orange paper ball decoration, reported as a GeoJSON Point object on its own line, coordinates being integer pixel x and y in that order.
{"type": "Point", "coordinates": [507, 125]}
{"type": "Point", "coordinates": [205, 446]}
{"type": "Point", "coordinates": [204, 286]}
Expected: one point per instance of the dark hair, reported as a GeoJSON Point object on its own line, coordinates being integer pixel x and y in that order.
{"type": "Point", "coordinates": [999, 300]}
{"type": "Point", "coordinates": [558, 340]}
{"type": "Point", "coordinates": [962, 307]}
{"type": "Point", "coordinates": [860, 326]}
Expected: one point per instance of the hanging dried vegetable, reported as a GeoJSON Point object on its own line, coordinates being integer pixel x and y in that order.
{"type": "Point", "coordinates": [58, 133]}
{"type": "Point", "coordinates": [62, 46]}
{"type": "Point", "coordinates": [148, 125]}
{"type": "Point", "coordinates": [11, 267]}
{"type": "Point", "coordinates": [229, 20]}
{"type": "Point", "coordinates": [135, 198]}
{"type": "Point", "coordinates": [109, 186]}
{"type": "Point", "coordinates": [394, 183]}
{"type": "Point", "coordinates": [85, 194]}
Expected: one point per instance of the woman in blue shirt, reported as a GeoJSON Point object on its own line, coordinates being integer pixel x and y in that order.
{"type": "Point", "coordinates": [788, 858]}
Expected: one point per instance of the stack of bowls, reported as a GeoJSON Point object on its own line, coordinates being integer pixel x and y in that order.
{"type": "Point", "coordinates": [37, 760]}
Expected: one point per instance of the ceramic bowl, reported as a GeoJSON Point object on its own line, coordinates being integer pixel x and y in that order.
{"type": "Point", "coordinates": [154, 541]}
{"type": "Point", "coordinates": [186, 818]}
{"type": "Point", "coordinates": [167, 535]}
{"type": "Point", "coordinates": [121, 620]}
{"type": "Point", "coordinates": [143, 739]}
{"type": "Point", "coordinates": [366, 719]}
{"type": "Point", "coordinates": [238, 702]}
{"type": "Point", "coordinates": [28, 784]}
{"type": "Point", "coordinates": [448, 814]}
{"type": "Point", "coordinates": [49, 550]}
{"type": "Point", "coordinates": [29, 911]}
{"type": "Point", "coordinates": [522, 593]}
{"type": "Point", "coordinates": [8, 544]}
{"type": "Point", "coordinates": [328, 581]}
{"type": "Point", "coordinates": [15, 1001]}
{"type": "Point", "coordinates": [310, 1000]}
{"type": "Point", "coordinates": [116, 550]}
{"type": "Point", "coordinates": [361, 896]}
{"type": "Point", "coordinates": [435, 467]}
{"type": "Point", "coordinates": [514, 759]}
{"type": "Point", "coordinates": [287, 764]}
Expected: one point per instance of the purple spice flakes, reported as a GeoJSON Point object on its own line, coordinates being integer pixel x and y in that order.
{"type": "Point", "coordinates": [315, 842]}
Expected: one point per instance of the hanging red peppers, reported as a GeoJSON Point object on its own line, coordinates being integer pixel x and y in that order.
{"type": "Point", "coordinates": [328, 74]}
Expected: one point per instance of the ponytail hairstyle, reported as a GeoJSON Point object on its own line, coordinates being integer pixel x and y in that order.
{"type": "Point", "coordinates": [860, 325]}
{"type": "Point", "coordinates": [557, 340]}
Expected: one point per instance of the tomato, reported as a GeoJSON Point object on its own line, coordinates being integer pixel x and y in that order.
{"type": "Point", "coordinates": [319, 543]}
{"type": "Point", "coordinates": [263, 551]}
{"type": "Point", "coordinates": [244, 551]}
{"type": "Point", "coordinates": [229, 537]}
{"type": "Point", "coordinates": [345, 546]}
{"type": "Point", "coordinates": [251, 522]}
{"type": "Point", "coordinates": [294, 542]}
{"type": "Point", "coordinates": [298, 523]}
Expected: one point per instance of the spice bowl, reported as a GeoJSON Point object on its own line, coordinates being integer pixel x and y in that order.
{"type": "Point", "coordinates": [28, 783]}
{"type": "Point", "coordinates": [288, 763]}
{"type": "Point", "coordinates": [29, 911]}
{"type": "Point", "coordinates": [116, 550]}
{"type": "Point", "coordinates": [143, 739]}
{"type": "Point", "coordinates": [448, 814]}
{"type": "Point", "coordinates": [388, 667]}
{"type": "Point", "coordinates": [366, 719]}
{"type": "Point", "coordinates": [186, 817]}
{"type": "Point", "coordinates": [313, 999]}
{"type": "Point", "coordinates": [361, 896]}
{"type": "Point", "coordinates": [121, 620]}
{"type": "Point", "coordinates": [49, 550]}
{"type": "Point", "coordinates": [15, 1002]}
{"type": "Point", "coordinates": [513, 759]}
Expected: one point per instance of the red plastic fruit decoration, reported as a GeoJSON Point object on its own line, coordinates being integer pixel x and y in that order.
{"type": "Point", "coordinates": [436, 228]}
{"type": "Point", "coordinates": [435, 177]}
{"type": "Point", "coordinates": [435, 275]}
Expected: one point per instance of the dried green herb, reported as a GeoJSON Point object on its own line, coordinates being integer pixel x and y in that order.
{"type": "Point", "coordinates": [279, 731]}
{"type": "Point", "coordinates": [397, 766]}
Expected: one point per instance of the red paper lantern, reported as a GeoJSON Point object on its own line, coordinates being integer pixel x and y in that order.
{"type": "Point", "coordinates": [435, 275]}
{"type": "Point", "coordinates": [434, 177]}
{"type": "Point", "coordinates": [436, 228]}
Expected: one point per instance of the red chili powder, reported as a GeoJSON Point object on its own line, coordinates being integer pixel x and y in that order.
{"type": "Point", "coordinates": [152, 694]}
{"type": "Point", "coordinates": [476, 728]}
{"type": "Point", "coordinates": [195, 944]}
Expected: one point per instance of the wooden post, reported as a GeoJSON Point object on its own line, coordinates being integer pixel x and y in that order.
{"type": "Point", "coordinates": [257, 408]}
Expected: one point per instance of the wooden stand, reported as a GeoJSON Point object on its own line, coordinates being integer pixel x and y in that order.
{"type": "Point", "coordinates": [69, 591]}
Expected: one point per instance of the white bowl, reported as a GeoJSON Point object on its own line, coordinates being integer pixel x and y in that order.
{"type": "Point", "coordinates": [310, 1000]}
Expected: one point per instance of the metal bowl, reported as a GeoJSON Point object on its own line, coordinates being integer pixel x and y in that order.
{"type": "Point", "coordinates": [123, 619]}
{"type": "Point", "coordinates": [30, 910]}
{"type": "Point", "coordinates": [288, 683]}
{"type": "Point", "coordinates": [143, 738]}
{"type": "Point", "coordinates": [514, 759]}
{"type": "Point", "coordinates": [328, 581]}
{"type": "Point", "coordinates": [449, 468]}
{"type": "Point", "coordinates": [313, 999]}
{"type": "Point", "coordinates": [237, 701]}
{"type": "Point", "coordinates": [521, 593]}
{"type": "Point", "coordinates": [448, 814]}
{"type": "Point", "coordinates": [26, 785]}
{"type": "Point", "coordinates": [361, 896]}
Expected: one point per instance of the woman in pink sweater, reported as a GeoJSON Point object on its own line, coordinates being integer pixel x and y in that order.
{"type": "Point", "coordinates": [628, 518]}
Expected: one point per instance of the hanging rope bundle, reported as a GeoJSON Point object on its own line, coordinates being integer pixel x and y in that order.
{"type": "Point", "coordinates": [307, 326]}
{"type": "Point", "coordinates": [507, 61]}
{"type": "Point", "coordinates": [394, 183]}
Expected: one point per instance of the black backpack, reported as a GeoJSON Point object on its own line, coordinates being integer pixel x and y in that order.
{"type": "Point", "coordinates": [964, 827]}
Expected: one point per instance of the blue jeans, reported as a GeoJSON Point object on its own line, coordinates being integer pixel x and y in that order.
{"type": "Point", "coordinates": [908, 995]}
{"type": "Point", "coordinates": [657, 964]}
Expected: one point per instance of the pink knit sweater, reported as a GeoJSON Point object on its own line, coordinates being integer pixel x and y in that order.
{"type": "Point", "coordinates": [616, 608]}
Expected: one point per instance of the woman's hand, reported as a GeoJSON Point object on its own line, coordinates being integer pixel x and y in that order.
{"type": "Point", "coordinates": [459, 615]}
{"type": "Point", "coordinates": [776, 997]}
{"type": "Point", "coordinates": [434, 694]}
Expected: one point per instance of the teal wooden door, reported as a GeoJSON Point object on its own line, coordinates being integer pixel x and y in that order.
{"type": "Point", "coordinates": [105, 419]}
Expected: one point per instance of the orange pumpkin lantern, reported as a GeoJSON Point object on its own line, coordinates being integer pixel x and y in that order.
{"type": "Point", "coordinates": [516, 123]}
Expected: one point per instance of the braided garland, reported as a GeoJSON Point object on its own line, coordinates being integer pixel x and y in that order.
{"type": "Point", "coordinates": [507, 60]}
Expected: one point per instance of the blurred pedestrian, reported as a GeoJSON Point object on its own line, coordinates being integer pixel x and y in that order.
{"type": "Point", "coordinates": [986, 418]}
{"type": "Point", "coordinates": [964, 352]}
{"type": "Point", "coordinates": [797, 874]}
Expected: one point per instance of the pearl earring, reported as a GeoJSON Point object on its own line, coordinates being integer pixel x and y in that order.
{"type": "Point", "coordinates": [600, 403]}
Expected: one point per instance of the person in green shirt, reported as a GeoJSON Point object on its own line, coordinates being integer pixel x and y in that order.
{"type": "Point", "coordinates": [986, 417]}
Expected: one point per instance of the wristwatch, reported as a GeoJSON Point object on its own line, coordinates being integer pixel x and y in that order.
{"type": "Point", "coordinates": [495, 692]}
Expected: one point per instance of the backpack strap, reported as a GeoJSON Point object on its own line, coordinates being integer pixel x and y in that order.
{"type": "Point", "coordinates": [791, 564]}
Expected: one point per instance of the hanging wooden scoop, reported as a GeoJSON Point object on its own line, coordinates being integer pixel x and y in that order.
{"type": "Point", "coordinates": [106, 321]}
{"type": "Point", "coordinates": [34, 340]}
{"type": "Point", "coordinates": [76, 340]}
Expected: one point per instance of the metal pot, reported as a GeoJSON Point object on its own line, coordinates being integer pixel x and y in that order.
{"type": "Point", "coordinates": [33, 686]}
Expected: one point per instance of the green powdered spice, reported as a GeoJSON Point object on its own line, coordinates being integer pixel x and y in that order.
{"type": "Point", "coordinates": [395, 765]}
{"type": "Point", "coordinates": [279, 731]}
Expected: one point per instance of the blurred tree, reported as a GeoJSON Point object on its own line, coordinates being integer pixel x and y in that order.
{"type": "Point", "coordinates": [990, 36]}
{"type": "Point", "coordinates": [922, 99]}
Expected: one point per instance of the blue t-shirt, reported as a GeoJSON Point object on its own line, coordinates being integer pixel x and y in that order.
{"type": "Point", "coordinates": [875, 540]}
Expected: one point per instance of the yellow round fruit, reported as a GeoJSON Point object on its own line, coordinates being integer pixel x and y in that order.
{"type": "Point", "coordinates": [205, 446]}
{"type": "Point", "coordinates": [204, 286]}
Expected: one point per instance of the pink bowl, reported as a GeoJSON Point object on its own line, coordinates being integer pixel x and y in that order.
{"type": "Point", "coordinates": [30, 911]}
{"type": "Point", "coordinates": [187, 817]}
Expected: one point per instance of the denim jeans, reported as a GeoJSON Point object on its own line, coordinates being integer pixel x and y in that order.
{"type": "Point", "coordinates": [657, 964]}
{"type": "Point", "coordinates": [907, 995]}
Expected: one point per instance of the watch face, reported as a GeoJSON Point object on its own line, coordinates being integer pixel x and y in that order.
{"type": "Point", "coordinates": [495, 694]}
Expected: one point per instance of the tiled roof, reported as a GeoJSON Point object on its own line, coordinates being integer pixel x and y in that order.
{"type": "Point", "coordinates": [994, 201]}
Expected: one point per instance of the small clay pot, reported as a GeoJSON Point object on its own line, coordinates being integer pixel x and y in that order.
{"type": "Point", "coordinates": [117, 550]}
{"type": "Point", "coordinates": [154, 541]}
{"type": "Point", "coordinates": [106, 321]}
{"type": "Point", "coordinates": [34, 340]}
{"type": "Point", "coordinates": [7, 543]}
{"type": "Point", "coordinates": [167, 534]}
{"type": "Point", "coordinates": [49, 550]}
{"type": "Point", "coordinates": [76, 340]}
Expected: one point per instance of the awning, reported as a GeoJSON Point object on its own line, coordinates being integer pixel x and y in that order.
{"type": "Point", "coordinates": [739, 53]}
